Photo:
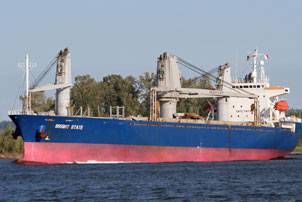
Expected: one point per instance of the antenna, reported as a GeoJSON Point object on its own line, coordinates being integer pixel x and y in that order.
{"type": "Point", "coordinates": [258, 59]}
{"type": "Point", "coordinates": [254, 57]}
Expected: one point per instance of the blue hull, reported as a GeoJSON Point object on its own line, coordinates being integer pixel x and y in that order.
{"type": "Point", "coordinates": [105, 131]}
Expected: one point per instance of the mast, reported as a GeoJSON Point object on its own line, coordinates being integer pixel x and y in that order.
{"type": "Point", "coordinates": [27, 83]}
{"type": "Point", "coordinates": [254, 72]}
{"type": "Point", "coordinates": [263, 76]}
{"type": "Point", "coordinates": [26, 98]}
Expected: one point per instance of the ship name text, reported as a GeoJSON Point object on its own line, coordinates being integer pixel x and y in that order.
{"type": "Point", "coordinates": [69, 127]}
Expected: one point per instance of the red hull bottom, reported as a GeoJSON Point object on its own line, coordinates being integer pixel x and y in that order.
{"type": "Point", "coordinates": [59, 153]}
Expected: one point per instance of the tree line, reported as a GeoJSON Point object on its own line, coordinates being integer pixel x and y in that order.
{"type": "Point", "coordinates": [9, 144]}
{"type": "Point", "coordinates": [115, 90]}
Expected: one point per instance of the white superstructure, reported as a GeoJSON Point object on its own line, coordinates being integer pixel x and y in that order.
{"type": "Point", "coordinates": [251, 99]}
{"type": "Point", "coordinates": [257, 83]}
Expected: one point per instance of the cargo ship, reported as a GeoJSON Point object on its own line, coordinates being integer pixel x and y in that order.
{"type": "Point", "coordinates": [247, 121]}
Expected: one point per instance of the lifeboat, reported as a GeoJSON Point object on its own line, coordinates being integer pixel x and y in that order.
{"type": "Point", "coordinates": [281, 105]}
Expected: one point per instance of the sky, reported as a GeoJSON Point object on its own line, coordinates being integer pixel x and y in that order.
{"type": "Point", "coordinates": [126, 37]}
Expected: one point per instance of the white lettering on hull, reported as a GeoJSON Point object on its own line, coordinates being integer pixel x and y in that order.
{"type": "Point", "coordinates": [69, 127]}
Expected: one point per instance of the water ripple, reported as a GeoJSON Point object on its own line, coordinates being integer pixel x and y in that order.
{"type": "Point", "coordinates": [277, 180]}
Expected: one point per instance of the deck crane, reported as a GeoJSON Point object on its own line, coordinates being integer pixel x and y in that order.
{"type": "Point", "coordinates": [62, 83]}
{"type": "Point", "coordinates": [168, 90]}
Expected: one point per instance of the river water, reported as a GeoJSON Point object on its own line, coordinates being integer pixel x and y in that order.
{"type": "Point", "coordinates": [275, 180]}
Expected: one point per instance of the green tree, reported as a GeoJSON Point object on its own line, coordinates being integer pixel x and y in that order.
{"type": "Point", "coordinates": [18, 147]}
{"type": "Point", "coordinates": [118, 91]}
{"type": "Point", "coordinates": [294, 112]}
{"type": "Point", "coordinates": [39, 103]}
{"type": "Point", "coordinates": [146, 82]}
{"type": "Point", "coordinates": [84, 94]}
{"type": "Point", "coordinates": [2, 133]}
{"type": "Point", "coordinates": [8, 143]}
{"type": "Point", "coordinates": [115, 90]}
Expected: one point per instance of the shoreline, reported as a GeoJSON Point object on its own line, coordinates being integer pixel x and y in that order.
{"type": "Point", "coordinates": [10, 156]}
{"type": "Point", "coordinates": [297, 150]}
